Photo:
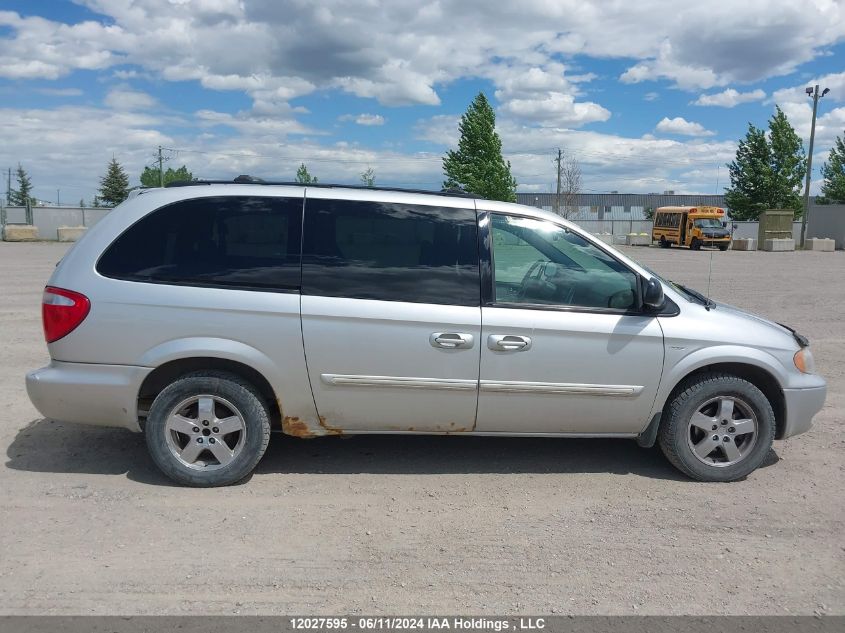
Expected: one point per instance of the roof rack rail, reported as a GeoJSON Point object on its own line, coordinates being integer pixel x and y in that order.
{"type": "Point", "coordinates": [245, 179]}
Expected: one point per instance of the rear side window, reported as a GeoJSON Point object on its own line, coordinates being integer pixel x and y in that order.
{"type": "Point", "coordinates": [390, 252]}
{"type": "Point", "coordinates": [227, 241]}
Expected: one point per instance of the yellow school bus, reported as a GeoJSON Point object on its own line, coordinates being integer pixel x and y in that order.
{"type": "Point", "coordinates": [691, 226]}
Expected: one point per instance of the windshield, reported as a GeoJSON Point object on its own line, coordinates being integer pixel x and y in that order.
{"type": "Point", "coordinates": [708, 223]}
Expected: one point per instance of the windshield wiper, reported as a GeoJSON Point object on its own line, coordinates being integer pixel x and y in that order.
{"type": "Point", "coordinates": [705, 301]}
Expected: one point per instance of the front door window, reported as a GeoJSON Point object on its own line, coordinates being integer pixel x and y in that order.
{"type": "Point", "coordinates": [538, 262]}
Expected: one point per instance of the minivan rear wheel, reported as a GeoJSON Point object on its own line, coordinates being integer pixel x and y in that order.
{"type": "Point", "coordinates": [717, 427]}
{"type": "Point", "coordinates": [208, 429]}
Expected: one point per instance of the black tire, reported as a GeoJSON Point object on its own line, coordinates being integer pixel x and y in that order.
{"type": "Point", "coordinates": [723, 247]}
{"type": "Point", "coordinates": [695, 245]}
{"type": "Point", "coordinates": [226, 389]}
{"type": "Point", "coordinates": [664, 243]}
{"type": "Point", "coordinates": [675, 427]}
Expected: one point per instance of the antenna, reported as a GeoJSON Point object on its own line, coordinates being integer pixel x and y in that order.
{"type": "Point", "coordinates": [709, 276]}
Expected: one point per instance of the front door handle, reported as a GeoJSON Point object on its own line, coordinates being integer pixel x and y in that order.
{"type": "Point", "coordinates": [508, 343]}
{"type": "Point", "coordinates": [451, 340]}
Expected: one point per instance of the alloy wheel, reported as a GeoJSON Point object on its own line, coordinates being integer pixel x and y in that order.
{"type": "Point", "coordinates": [722, 431]}
{"type": "Point", "coordinates": [205, 432]}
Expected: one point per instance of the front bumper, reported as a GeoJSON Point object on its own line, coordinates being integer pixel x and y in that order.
{"type": "Point", "coordinates": [801, 406]}
{"type": "Point", "coordinates": [103, 395]}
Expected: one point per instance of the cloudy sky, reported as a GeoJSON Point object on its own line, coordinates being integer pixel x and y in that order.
{"type": "Point", "coordinates": [647, 95]}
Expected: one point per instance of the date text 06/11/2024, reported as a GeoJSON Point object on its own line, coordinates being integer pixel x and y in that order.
{"type": "Point", "coordinates": [386, 623]}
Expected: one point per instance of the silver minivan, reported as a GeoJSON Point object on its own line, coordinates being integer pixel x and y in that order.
{"type": "Point", "coordinates": [208, 314]}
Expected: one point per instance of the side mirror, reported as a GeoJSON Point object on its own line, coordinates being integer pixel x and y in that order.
{"type": "Point", "coordinates": [653, 294]}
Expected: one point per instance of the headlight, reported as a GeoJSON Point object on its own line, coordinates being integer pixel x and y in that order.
{"type": "Point", "coordinates": [803, 360]}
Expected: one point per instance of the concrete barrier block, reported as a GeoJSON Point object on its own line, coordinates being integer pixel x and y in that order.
{"type": "Point", "coordinates": [607, 238]}
{"type": "Point", "coordinates": [778, 245]}
{"type": "Point", "coordinates": [70, 233]}
{"type": "Point", "coordinates": [20, 233]}
{"type": "Point", "coordinates": [744, 244]}
{"type": "Point", "coordinates": [824, 244]}
{"type": "Point", "coordinates": [620, 239]}
{"type": "Point", "coordinates": [633, 239]}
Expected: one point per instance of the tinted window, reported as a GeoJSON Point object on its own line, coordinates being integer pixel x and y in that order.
{"type": "Point", "coordinates": [390, 252]}
{"type": "Point", "coordinates": [668, 220]}
{"type": "Point", "coordinates": [542, 263]}
{"type": "Point", "coordinates": [227, 241]}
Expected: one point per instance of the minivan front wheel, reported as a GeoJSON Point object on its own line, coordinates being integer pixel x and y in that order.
{"type": "Point", "coordinates": [718, 427]}
{"type": "Point", "coordinates": [207, 429]}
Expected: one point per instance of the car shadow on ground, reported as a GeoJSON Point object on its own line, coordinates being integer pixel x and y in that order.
{"type": "Point", "coordinates": [54, 447]}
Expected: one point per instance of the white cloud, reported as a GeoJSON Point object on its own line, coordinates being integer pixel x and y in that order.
{"type": "Point", "coordinates": [796, 94]}
{"type": "Point", "coordinates": [403, 51]}
{"type": "Point", "coordinates": [729, 98]}
{"type": "Point", "coordinates": [679, 125]}
{"type": "Point", "coordinates": [363, 119]}
{"type": "Point", "coordinates": [251, 124]}
{"type": "Point", "coordinates": [399, 53]}
{"type": "Point", "coordinates": [608, 161]}
{"type": "Point", "coordinates": [69, 147]}
{"type": "Point", "coordinates": [830, 121]}
{"type": "Point", "coordinates": [441, 129]}
{"type": "Point", "coordinates": [125, 98]}
{"type": "Point", "coordinates": [545, 95]}
{"type": "Point", "coordinates": [556, 109]}
{"type": "Point", "coordinates": [651, 96]}
{"type": "Point", "coordinates": [665, 66]}
{"type": "Point", "coordinates": [719, 42]}
{"type": "Point", "coordinates": [43, 49]}
{"type": "Point", "coordinates": [829, 125]}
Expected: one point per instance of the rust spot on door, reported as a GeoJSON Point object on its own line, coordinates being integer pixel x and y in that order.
{"type": "Point", "coordinates": [330, 430]}
{"type": "Point", "coordinates": [292, 425]}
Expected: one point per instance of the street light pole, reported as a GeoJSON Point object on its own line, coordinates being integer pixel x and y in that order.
{"type": "Point", "coordinates": [813, 93]}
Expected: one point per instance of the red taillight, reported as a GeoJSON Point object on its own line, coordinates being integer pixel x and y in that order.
{"type": "Point", "coordinates": [62, 311]}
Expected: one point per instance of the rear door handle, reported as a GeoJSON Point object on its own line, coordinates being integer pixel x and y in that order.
{"type": "Point", "coordinates": [508, 343]}
{"type": "Point", "coordinates": [451, 340]}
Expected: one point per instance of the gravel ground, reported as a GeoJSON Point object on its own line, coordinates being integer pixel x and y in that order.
{"type": "Point", "coordinates": [429, 524]}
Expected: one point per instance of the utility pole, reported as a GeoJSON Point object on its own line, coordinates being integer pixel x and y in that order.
{"type": "Point", "coordinates": [9, 188]}
{"type": "Point", "coordinates": [557, 197]}
{"type": "Point", "coordinates": [813, 93]}
{"type": "Point", "coordinates": [3, 206]}
{"type": "Point", "coordinates": [58, 198]}
{"type": "Point", "coordinates": [160, 169]}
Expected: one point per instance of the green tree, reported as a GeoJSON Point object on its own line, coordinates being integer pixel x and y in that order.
{"type": "Point", "coordinates": [478, 166]}
{"type": "Point", "coordinates": [368, 178]}
{"type": "Point", "coordinates": [151, 176]}
{"type": "Point", "coordinates": [114, 186]}
{"type": "Point", "coordinates": [789, 164]}
{"type": "Point", "coordinates": [648, 213]}
{"type": "Point", "coordinates": [303, 176]}
{"type": "Point", "coordinates": [22, 196]}
{"type": "Point", "coordinates": [833, 172]}
{"type": "Point", "coordinates": [750, 173]}
{"type": "Point", "coordinates": [82, 203]}
{"type": "Point", "coordinates": [767, 171]}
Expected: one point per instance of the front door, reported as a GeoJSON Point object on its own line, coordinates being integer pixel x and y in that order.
{"type": "Point", "coordinates": [391, 316]}
{"type": "Point", "coordinates": [564, 347]}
